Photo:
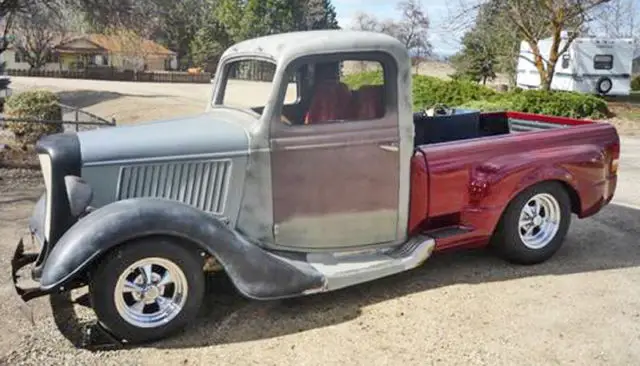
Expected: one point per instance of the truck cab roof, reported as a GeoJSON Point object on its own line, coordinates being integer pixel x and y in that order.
{"type": "Point", "coordinates": [285, 47]}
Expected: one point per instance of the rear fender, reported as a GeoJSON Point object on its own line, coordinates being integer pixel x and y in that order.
{"type": "Point", "coordinates": [543, 174]}
{"type": "Point", "coordinates": [256, 273]}
{"type": "Point", "coordinates": [578, 168]}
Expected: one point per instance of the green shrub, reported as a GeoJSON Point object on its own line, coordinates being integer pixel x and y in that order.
{"type": "Point", "coordinates": [33, 104]}
{"type": "Point", "coordinates": [635, 83]}
{"type": "Point", "coordinates": [356, 80]}
{"type": "Point", "coordinates": [558, 103]}
{"type": "Point", "coordinates": [497, 105]}
{"type": "Point", "coordinates": [428, 91]}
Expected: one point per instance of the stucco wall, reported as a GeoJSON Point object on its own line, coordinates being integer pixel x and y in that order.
{"type": "Point", "coordinates": [8, 57]}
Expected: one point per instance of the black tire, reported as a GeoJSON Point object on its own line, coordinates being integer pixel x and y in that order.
{"type": "Point", "coordinates": [104, 278]}
{"type": "Point", "coordinates": [507, 240]}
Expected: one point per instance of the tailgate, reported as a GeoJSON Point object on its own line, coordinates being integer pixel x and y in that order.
{"type": "Point", "coordinates": [524, 122]}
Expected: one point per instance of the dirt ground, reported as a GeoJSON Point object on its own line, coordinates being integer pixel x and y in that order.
{"type": "Point", "coordinates": [127, 102]}
{"type": "Point", "coordinates": [582, 307]}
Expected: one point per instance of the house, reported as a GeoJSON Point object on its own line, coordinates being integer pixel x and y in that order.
{"type": "Point", "coordinates": [93, 50]}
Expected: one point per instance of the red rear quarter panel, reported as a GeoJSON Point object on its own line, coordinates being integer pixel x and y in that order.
{"type": "Point", "coordinates": [474, 180]}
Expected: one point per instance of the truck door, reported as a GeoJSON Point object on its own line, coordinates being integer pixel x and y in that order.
{"type": "Point", "coordinates": [335, 158]}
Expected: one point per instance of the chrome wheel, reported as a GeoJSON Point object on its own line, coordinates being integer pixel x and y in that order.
{"type": "Point", "coordinates": [150, 292]}
{"type": "Point", "coordinates": [539, 221]}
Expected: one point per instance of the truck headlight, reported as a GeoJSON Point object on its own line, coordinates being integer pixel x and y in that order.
{"type": "Point", "coordinates": [79, 194]}
{"type": "Point", "coordinates": [45, 167]}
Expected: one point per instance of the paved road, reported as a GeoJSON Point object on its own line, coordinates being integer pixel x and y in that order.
{"type": "Point", "coordinates": [628, 191]}
{"type": "Point", "coordinates": [186, 90]}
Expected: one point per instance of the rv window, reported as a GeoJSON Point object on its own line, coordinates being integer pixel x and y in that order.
{"type": "Point", "coordinates": [565, 61]}
{"type": "Point", "coordinates": [603, 62]}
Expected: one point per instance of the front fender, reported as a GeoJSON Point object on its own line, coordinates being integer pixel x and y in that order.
{"type": "Point", "coordinates": [255, 272]}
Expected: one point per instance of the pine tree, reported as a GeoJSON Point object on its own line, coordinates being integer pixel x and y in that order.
{"type": "Point", "coordinates": [320, 14]}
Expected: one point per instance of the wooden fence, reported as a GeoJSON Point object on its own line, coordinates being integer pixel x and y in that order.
{"type": "Point", "coordinates": [118, 75]}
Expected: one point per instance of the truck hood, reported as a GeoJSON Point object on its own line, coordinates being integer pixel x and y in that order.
{"type": "Point", "coordinates": [218, 132]}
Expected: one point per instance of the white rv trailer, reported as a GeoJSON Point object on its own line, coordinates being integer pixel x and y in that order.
{"type": "Point", "coordinates": [590, 65]}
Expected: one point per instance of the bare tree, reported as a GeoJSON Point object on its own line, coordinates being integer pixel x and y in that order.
{"type": "Point", "coordinates": [365, 22]}
{"type": "Point", "coordinates": [9, 9]}
{"type": "Point", "coordinates": [38, 31]}
{"type": "Point", "coordinates": [619, 18]}
{"type": "Point", "coordinates": [412, 29]}
{"type": "Point", "coordinates": [533, 20]}
{"type": "Point", "coordinates": [132, 47]}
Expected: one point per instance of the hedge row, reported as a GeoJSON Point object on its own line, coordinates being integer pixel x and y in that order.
{"type": "Point", "coordinates": [554, 103]}
{"type": "Point", "coordinates": [428, 91]}
{"type": "Point", "coordinates": [635, 83]}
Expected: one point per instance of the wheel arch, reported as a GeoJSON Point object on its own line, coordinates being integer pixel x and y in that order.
{"type": "Point", "coordinates": [196, 247]}
{"type": "Point", "coordinates": [255, 272]}
{"type": "Point", "coordinates": [574, 197]}
{"type": "Point", "coordinates": [545, 174]}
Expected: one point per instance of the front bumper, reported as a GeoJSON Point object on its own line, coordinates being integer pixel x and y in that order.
{"type": "Point", "coordinates": [20, 260]}
{"type": "Point", "coordinates": [94, 335]}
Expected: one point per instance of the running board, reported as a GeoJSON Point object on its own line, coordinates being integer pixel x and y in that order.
{"type": "Point", "coordinates": [342, 270]}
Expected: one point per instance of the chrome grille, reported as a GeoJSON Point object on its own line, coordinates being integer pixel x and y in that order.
{"type": "Point", "coordinates": [202, 184]}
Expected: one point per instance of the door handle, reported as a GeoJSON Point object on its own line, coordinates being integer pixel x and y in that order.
{"type": "Point", "coordinates": [392, 147]}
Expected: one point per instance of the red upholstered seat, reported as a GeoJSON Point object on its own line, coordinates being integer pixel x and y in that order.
{"type": "Point", "coordinates": [331, 102]}
{"type": "Point", "coordinates": [369, 102]}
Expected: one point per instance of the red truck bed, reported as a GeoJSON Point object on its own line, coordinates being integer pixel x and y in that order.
{"type": "Point", "coordinates": [465, 184]}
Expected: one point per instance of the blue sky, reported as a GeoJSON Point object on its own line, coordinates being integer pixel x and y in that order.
{"type": "Point", "coordinates": [444, 42]}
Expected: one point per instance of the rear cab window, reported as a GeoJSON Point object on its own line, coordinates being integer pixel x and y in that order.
{"type": "Point", "coordinates": [336, 92]}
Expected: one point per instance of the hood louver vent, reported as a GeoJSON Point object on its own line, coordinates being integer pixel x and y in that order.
{"type": "Point", "coordinates": [202, 184]}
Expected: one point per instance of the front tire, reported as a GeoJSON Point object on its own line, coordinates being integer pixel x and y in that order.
{"type": "Point", "coordinates": [534, 225]}
{"type": "Point", "coordinates": [147, 289]}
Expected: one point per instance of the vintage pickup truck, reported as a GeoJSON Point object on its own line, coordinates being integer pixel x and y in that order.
{"type": "Point", "coordinates": [295, 182]}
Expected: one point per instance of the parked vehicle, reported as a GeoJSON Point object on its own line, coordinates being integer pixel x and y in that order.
{"type": "Point", "coordinates": [592, 65]}
{"type": "Point", "coordinates": [294, 183]}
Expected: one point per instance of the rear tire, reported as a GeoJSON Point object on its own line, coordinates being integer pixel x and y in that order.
{"type": "Point", "coordinates": [534, 225]}
{"type": "Point", "coordinates": [147, 289]}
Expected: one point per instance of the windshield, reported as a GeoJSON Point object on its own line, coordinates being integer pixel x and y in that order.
{"type": "Point", "coordinates": [249, 83]}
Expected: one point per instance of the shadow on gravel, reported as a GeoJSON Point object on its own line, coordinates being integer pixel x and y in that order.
{"type": "Point", "coordinates": [87, 98]}
{"type": "Point", "coordinates": [11, 200]}
{"type": "Point", "coordinates": [607, 241]}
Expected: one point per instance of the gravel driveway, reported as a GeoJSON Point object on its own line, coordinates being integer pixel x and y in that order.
{"type": "Point", "coordinates": [582, 307]}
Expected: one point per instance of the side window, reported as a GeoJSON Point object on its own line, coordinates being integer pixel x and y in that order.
{"type": "Point", "coordinates": [248, 84]}
{"type": "Point", "coordinates": [338, 92]}
{"type": "Point", "coordinates": [603, 62]}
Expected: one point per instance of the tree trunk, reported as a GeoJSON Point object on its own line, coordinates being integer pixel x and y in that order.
{"type": "Point", "coordinates": [549, 76]}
